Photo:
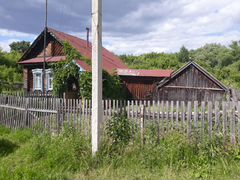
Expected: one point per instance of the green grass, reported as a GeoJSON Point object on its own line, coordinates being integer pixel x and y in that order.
{"type": "Point", "coordinates": [28, 155]}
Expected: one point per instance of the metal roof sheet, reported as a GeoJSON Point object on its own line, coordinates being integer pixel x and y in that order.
{"type": "Point", "coordinates": [110, 61]}
{"type": "Point", "coordinates": [41, 59]}
{"type": "Point", "coordinates": [144, 73]}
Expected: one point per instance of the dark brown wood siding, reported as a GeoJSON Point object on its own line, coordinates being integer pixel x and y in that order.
{"type": "Point", "coordinates": [140, 87]}
{"type": "Point", "coordinates": [54, 48]}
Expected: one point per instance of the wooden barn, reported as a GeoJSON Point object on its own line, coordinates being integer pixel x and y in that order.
{"type": "Point", "coordinates": [140, 84]}
{"type": "Point", "coordinates": [191, 83]}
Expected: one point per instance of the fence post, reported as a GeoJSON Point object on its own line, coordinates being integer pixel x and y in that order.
{"type": "Point", "coordinates": [142, 112]}
{"type": "Point", "coordinates": [58, 116]}
{"type": "Point", "coordinates": [26, 113]}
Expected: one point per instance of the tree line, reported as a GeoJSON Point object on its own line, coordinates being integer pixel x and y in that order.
{"type": "Point", "coordinates": [221, 61]}
{"type": "Point", "coordinates": [10, 71]}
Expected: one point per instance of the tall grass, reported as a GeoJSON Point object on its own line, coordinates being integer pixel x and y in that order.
{"type": "Point", "coordinates": [27, 155]}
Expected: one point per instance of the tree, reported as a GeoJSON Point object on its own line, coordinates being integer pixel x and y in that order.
{"type": "Point", "coordinates": [213, 55]}
{"type": "Point", "coordinates": [235, 50]}
{"type": "Point", "coordinates": [20, 46]}
{"type": "Point", "coordinates": [183, 55]}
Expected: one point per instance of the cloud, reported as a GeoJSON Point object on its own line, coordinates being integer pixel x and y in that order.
{"type": "Point", "coordinates": [10, 33]}
{"type": "Point", "coordinates": [167, 25]}
{"type": "Point", "coordinates": [4, 45]}
{"type": "Point", "coordinates": [132, 27]}
{"type": "Point", "coordinates": [9, 36]}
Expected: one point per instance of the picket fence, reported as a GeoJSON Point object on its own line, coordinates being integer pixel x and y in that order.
{"type": "Point", "coordinates": [53, 114]}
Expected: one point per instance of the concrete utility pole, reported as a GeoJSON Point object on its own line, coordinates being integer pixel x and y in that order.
{"type": "Point", "coordinates": [96, 72]}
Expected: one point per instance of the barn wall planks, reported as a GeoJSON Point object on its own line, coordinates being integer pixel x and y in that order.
{"type": "Point", "coordinates": [192, 83]}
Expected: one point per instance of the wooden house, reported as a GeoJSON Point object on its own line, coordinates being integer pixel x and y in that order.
{"type": "Point", "coordinates": [191, 83]}
{"type": "Point", "coordinates": [32, 60]}
{"type": "Point", "coordinates": [140, 84]}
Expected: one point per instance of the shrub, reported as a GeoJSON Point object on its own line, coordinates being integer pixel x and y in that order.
{"type": "Point", "coordinates": [118, 130]}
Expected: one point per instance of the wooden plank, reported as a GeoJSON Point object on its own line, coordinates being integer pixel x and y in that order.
{"type": "Point", "coordinates": [110, 107]}
{"type": "Point", "coordinates": [172, 115]}
{"type": "Point", "coordinates": [177, 115]}
{"type": "Point", "coordinates": [232, 122]}
{"type": "Point", "coordinates": [195, 114]}
{"type": "Point", "coordinates": [224, 120]}
{"type": "Point", "coordinates": [162, 118]}
{"type": "Point", "coordinates": [142, 124]}
{"type": "Point", "coordinates": [117, 107]}
{"type": "Point", "coordinates": [210, 118]}
{"type": "Point", "coordinates": [12, 107]}
{"type": "Point", "coordinates": [132, 110]}
{"type": "Point", "coordinates": [158, 120]}
{"type": "Point", "coordinates": [128, 109]}
{"type": "Point", "coordinates": [238, 120]}
{"type": "Point", "coordinates": [114, 107]}
{"type": "Point", "coordinates": [183, 113]}
{"type": "Point", "coordinates": [167, 116]}
{"type": "Point", "coordinates": [202, 118]}
{"type": "Point", "coordinates": [217, 117]}
{"type": "Point", "coordinates": [74, 113]}
{"type": "Point", "coordinates": [136, 114]}
{"type": "Point", "coordinates": [189, 118]}
{"type": "Point", "coordinates": [149, 110]}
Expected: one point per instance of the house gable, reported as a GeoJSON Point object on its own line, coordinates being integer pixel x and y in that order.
{"type": "Point", "coordinates": [53, 47]}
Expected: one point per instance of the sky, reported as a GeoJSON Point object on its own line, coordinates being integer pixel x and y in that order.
{"type": "Point", "coordinates": [129, 26]}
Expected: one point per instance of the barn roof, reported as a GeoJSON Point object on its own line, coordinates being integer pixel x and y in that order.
{"type": "Point", "coordinates": [144, 73]}
{"type": "Point", "coordinates": [201, 69]}
{"type": "Point", "coordinates": [110, 61]}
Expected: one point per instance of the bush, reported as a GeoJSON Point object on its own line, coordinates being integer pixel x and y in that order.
{"type": "Point", "coordinates": [118, 130]}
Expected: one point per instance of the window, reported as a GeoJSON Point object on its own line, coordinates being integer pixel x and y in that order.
{"type": "Point", "coordinates": [49, 76]}
{"type": "Point", "coordinates": [37, 79]}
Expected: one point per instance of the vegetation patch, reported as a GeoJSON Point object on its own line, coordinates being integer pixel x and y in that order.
{"type": "Point", "coordinates": [68, 156]}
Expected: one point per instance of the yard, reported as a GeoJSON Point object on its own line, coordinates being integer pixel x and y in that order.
{"type": "Point", "coordinates": [25, 154]}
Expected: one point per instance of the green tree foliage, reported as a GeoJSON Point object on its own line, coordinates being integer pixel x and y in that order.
{"type": "Point", "coordinates": [213, 55]}
{"type": "Point", "coordinates": [152, 61]}
{"type": "Point", "coordinates": [235, 50]}
{"type": "Point", "coordinates": [67, 72]}
{"type": "Point", "coordinates": [20, 46]}
{"type": "Point", "coordinates": [112, 87]}
{"type": "Point", "coordinates": [221, 61]}
{"type": "Point", "coordinates": [183, 55]}
{"type": "Point", "coordinates": [10, 71]}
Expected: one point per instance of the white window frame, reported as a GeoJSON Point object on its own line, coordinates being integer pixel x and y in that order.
{"type": "Point", "coordinates": [48, 72]}
{"type": "Point", "coordinates": [34, 72]}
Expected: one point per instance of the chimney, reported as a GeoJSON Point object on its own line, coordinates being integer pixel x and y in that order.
{"type": "Point", "coordinates": [87, 36]}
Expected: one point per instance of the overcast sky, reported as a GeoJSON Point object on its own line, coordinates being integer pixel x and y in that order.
{"type": "Point", "coordinates": [130, 26]}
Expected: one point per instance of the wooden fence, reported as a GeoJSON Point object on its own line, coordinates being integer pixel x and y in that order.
{"type": "Point", "coordinates": [209, 118]}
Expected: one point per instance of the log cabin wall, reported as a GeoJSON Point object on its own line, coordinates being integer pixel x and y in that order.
{"type": "Point", "coordinates": [54, 48]}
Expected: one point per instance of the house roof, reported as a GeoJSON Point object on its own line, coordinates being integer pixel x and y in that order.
{"type": "Point", "coordinates": [201, 69]}
{"type": "Point", "coordinates": [144, 73]}
{"type": "Point", "coordinates": [83, 65]}
{"type": "Point", "coordinates": [41, 59]}
{"type": "Point", "coordinates": [110, 61]}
